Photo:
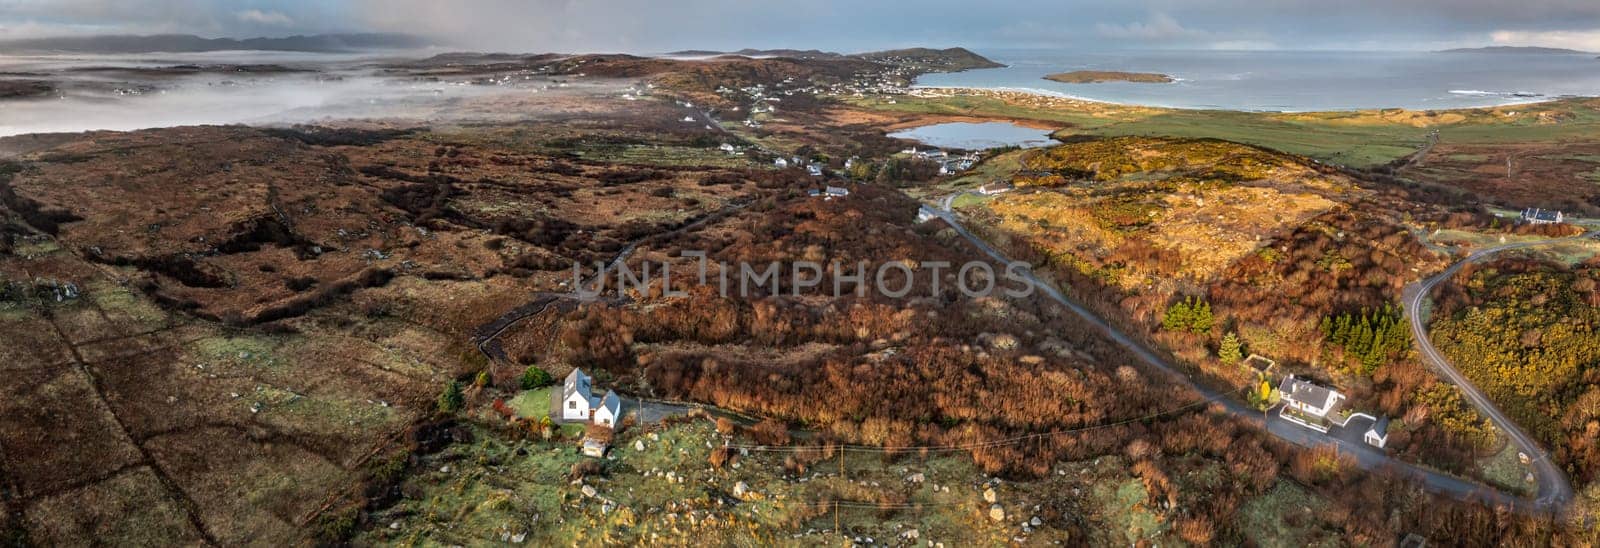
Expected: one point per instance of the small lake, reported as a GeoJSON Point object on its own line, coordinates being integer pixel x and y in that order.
{"type": "Point", "coordinates": [977, 135]}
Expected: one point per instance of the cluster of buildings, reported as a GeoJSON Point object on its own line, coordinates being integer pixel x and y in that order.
{"type": "Point", "coordinates": [812, 168]}
{"type": "Point", "coordinates": [948, 163]}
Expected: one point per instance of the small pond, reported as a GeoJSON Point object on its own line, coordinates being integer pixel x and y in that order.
{"type": "Point", "coordinates": [976, 135]}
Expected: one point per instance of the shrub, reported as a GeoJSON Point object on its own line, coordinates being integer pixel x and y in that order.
{"type": "Point", "coordinates": [534, 377]}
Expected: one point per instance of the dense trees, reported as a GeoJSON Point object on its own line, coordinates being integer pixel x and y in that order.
{"type": "Point", "coordinates": [1367, 339]}
{"type": "Point", "coordinates": [1191, 314]}
{"type": "Point", "coordinates": [1527, 332]}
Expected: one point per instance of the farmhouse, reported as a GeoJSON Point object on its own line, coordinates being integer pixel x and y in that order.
{"type": "Point", "coordinates": [836, 192]}
{"type": "Point", "coordinates": [997, 187]}
{"type": "Point", "coordinates": [1534, 215]}
{"type": "Point", "coordinates": [578, 403]}
{"type": "Point", "coordinates": [1307, 403]}
{"type": "Point", "coordinates": [577, 399]}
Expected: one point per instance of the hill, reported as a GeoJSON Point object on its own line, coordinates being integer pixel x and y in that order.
{"type": "Point", "coordinates": [935, 60]}
{"type": "Point", "coordinates": [188, 43]}
{"type": "Point", "coordinates": [1513, 49]}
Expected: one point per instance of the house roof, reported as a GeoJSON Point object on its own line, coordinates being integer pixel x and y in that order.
{"type": "Point", "coordinates": [1381, 426]}
{"type": "Point", "coordinates": [612, 402]}
{"type": "Point", "coordinates": [1306, 391]}
{"type": "Point", "coordinates": [1541, 214]}
{"type": "Point", "coordinates": [838, 191]}
{"type": "Point", "coordinates": [576, 383]}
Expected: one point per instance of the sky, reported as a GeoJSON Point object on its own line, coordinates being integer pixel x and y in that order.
{"type": "Point", "coordinates": [646, 26]}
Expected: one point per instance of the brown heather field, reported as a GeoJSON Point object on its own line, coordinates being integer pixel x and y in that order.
{"type": "Point", "coordinates": [1274, 244]}
{"type": "Point", "coordinates": [263, 321]}
{"type": "Point", "coordinates": [261, 311]}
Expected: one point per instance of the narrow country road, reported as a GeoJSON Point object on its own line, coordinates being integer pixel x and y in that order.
{"type": "Point", "coordinates": [1365, 456]}
{"type": "Point", "coordinates": [1555, 490]}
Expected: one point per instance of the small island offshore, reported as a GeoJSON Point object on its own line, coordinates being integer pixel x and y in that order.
{"type": "Point", "coordinates": [1101, 76]}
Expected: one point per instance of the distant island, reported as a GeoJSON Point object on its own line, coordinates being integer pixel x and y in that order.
{"type": "Point", "coordinates": [1100, 76]}
{"type": "Point", "coordinates": [1514, 49]}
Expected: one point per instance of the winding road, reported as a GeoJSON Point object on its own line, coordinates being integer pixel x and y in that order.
{"type": "Point", "coordinates": [1555, 490]}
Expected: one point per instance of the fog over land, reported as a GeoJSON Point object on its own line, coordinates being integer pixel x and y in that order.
{"type": "Point", "coordinates": [94, 92]}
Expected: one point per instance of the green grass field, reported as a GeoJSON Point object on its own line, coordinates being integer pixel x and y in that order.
{"type": "Point", "coordinates": [1357, 139]}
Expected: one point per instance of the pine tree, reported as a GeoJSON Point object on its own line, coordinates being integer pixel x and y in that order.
{"type": "Point", "coordinates": [452, 400]}
{"type": "Point", "coordinates": [1201, 324]}
{"type": "Point", "coordinates": [1178, 317]}
{"type": "Point", "coordinates": [1230, 351]}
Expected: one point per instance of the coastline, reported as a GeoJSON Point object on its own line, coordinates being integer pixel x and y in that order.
{"type": "Point", "coordinates": [1039, 92]}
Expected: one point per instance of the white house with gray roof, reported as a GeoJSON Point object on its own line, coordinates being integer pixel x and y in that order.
{"type": "Point", "coordinates": [577, 397]}
{"type": "Point", "coordinates": [1307, 403]}
{"type": "Point", "coordinates": [579, 404]}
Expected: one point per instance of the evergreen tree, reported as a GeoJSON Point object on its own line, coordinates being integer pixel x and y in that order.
{"type": "Point", "coordinates": [1201, 324]}
{"type": "Point", "coordinates": [1230, 350]}
{"type": "Point", "coordinates": [452, 400]}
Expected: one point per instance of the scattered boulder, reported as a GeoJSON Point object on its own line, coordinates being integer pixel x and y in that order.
{"type": "Point", "coordinates": [740, 489]}
{"type": "Point", "coordinates": [990, 496]}
{"type": "Point", "coordinates": [638, 445]}
{"type": "Point", "coordinates": [916, 478]}
{"type": "Point", "coordinates": [997, 512]}
{"type": "Point", "coordinates": [589, 491]}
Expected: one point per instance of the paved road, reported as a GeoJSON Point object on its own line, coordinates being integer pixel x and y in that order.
{"type": "Point", "coordinates": [1365, 456]}
{"type": "Point", "coordinates": [1555, 490]}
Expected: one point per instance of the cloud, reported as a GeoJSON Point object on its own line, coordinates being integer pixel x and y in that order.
{"type": "Point", "coordinates": [1587, 40]}
{"type": "Point", "coordinates": [1159, 27]}
{"type": "Point", "coordinates": [272, 18]}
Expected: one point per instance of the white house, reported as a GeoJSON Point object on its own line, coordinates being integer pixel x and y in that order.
{"type": "Point", "coordinates": [997, 187]}
{"type": "Point", "coordinates": [836, 192]}
{"type": "Point", "coordinates": [1307, 403]}
{"type": "Point", "coordinates": [609, 410]}
{"type": "Point", "coordinates": [1378, 435]}
{"type": "Point", "coordinates": [814, 170]}
{"type": "Point", "coordinates": [1534, 215]}
{"type": "Point", "coordinates": [577, 398]}
{"type": "Point", "coordinates": [579, 404]}
{"type": "Point", "coordinates": [780, 162]}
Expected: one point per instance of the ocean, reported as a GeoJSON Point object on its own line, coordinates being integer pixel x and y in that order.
{"type": "Point", "coordinates": [1296, 81]}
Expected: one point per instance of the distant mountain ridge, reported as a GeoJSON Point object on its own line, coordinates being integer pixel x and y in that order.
{"type": "Point", "coordinates": [948, 59]}
{"type": "Point", "coordinates": [1514, 49]}
{"type": "Point", "coordinates": [188, 43]}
